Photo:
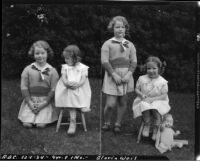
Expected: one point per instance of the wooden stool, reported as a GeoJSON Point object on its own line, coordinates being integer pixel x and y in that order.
{"type": "Point", "coordinates": [67, 123]}
{"type": "Point", "coordinates": [140, 132]}
{"type": "Point", "coordinates": [141, 129]}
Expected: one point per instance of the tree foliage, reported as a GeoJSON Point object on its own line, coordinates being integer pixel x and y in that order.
{"type": "Point", "coordinates": [166, 30]}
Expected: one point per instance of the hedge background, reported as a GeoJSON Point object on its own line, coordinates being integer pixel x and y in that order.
{"type": "Point", "coordinates": [167, 30]}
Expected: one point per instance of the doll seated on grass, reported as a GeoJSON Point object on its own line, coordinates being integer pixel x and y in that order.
{"type": "Point", "coordinates": [165, 137]}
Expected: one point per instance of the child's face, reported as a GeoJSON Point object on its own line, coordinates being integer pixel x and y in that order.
{"type": "Point", "coordinates": [152, 70]}
{"type": "Point", "coordinates": [169, 122]}
{"type": "Point", "coordinates": [68, 59]}
{"type": "Point", "coordinates": [119, 29]}
{"type": "Point", "coordinates": [40, 55]}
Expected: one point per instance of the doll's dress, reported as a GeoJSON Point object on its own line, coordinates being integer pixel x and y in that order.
{"type": "Point", "coordinates": [167, 141]}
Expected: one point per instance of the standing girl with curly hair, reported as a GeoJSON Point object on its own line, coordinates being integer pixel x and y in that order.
{"type": "Point", "coordinates": [118, 57]}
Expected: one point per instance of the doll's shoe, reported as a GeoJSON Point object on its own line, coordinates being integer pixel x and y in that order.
{"type": "Point", "coordinates": [145, 131]}
{"type": "Point", "coordinates": [72, 128]}
{"type": "Point", "coordinates": [106, 127]}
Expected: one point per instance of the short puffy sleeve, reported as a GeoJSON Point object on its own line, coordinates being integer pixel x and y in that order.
{"type": "Point", "coordinates": [64, 69]}
{"type": "Point", "coordinates": [138, 84]}
{"type": "Point", "coordinates": [24, 79]}
{"type": "Point", "coordinates": [84, 69]}
{"type": "Point", "coordinates": [54, 79]}
{"type": "Point", "coordinates": [164, 88]}
{"type": "Point", "coordinates": [163, 85]}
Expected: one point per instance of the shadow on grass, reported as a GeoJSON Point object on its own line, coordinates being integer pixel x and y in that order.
{"type": "Point", "coordinates": [182, 109]}
{"type": "Point", "coordinates": [18, 140]}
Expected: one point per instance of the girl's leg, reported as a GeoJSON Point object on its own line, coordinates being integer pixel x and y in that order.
{"type": "Point", "coordinates": [41, 125]}
{"type": "Point", "coordinates": [157, 122]}
{"type": "Point", "coordinates": [110, 104]}
{"type": "Point", "coordinates": [27, 125]}
{"type": "Point", "coordinates": [121, 109]}
{"type": "Point", "coordinates": [146, 119]}
{"type": "Point", "coordinates": [72, 125]}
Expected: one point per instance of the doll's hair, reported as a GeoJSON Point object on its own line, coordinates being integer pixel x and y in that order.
{"type": "Point", "coordinates": [41, 44]}
{"type": "Point", "coordinates": [165, 117]}
{"type": "Point", "coordinates": [161, 65]}
{"type": "Point", "coordinates": [168, 115]}
{"type": "Point", "coordinates": [118, 18]}
{"type": "Point", "coordinates": [74, 52]}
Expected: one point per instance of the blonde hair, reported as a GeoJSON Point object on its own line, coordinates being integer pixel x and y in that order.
{"type": "Point", "coordinates": [42, 44]}
{"type": "Point", "coordinates": [118, 18]}
{"type": "Point", "coordinates": [74, 52]}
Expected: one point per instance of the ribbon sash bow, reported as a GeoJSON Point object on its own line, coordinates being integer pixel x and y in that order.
{"type": "Point", "coordinates": [42, 72]}
{"type": "Point", "coordinates": [123, 45]}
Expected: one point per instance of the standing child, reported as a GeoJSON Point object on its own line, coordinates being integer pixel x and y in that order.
{"type": "Point", "coordinates": [38, 81]}
{"type": "Point", "coordinates": [73, 89]}
{"type": "Point", "coordinates": [118, 57]}
{"type": "Point", "coordinates": [152, 96]}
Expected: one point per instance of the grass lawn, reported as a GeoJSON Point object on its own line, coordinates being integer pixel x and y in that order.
{"type": "Point", "coordinates": [182, 109]}
{"type": "Point", "coordinates": [18, 140]}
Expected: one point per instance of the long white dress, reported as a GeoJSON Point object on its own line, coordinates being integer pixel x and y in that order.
{"type": "Point", "coordinates": [73, 98]}
{"type": "Point", "coordinates": [152, 88]}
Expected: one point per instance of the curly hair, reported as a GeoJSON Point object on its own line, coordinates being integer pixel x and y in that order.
{"type": "Point", "coordinates": [42, 44]}
{"type": "Point", "coordinates": [118, 18]}
{"type": "Point", "coordinates": [74, 52]}
{"type": "Point", "coordinates": [161, 65]}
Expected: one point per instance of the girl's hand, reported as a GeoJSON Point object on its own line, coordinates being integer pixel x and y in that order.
{"type": "Point", "coordinates": [126, 78]}
{"type": "Point", "coordinates": [116, 78]}
{"type": "Point", "coordinates": [143, 96]}
{"type": "Point", "coordinates": [72, 85]}
{"type": "Point", "coordinates": [178, 132]}
{"type": "Point", "coordinates": [41, 106]}
{"type": "Point", "coordinates": [148, 100]}
{"type": "Point", "coordinates": [32, 106]}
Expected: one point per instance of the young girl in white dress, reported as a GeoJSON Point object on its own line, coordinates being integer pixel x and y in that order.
{"type": "Point", "coordinates": [152, 98]}
{"type": "Point", "coordinates": [73, 89]}
{"type": "Point", "coordinates": [38, 81]}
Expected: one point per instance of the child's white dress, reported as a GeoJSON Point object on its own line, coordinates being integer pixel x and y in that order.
{"type": "Point", "coordinates": [74, 98]}
{"type": "Point", "coordinates": [151, 87]}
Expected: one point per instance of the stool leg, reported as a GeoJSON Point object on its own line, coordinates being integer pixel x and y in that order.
{"type": "Point", "coordinates": [59, 120]}
{"type": "Point", "coordinates": [83, 121]}
{"type": "Point", "coordinates": [140, 132]}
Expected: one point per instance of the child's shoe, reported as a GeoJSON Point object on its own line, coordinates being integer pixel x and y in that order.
{"type": "Point", "coordinates": [145, 131]}
{"type": "Point", "coordinates": [117, 128]}
{"type": "Point", "coordinates": [72, 128]}
{"type": "Point", "coordinates": [106, 127]}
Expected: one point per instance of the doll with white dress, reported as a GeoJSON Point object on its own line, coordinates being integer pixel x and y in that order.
{"type": "Point", "coordinates": [165, 137]}
{"type": "Point", "coordinates": [73, 89]}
